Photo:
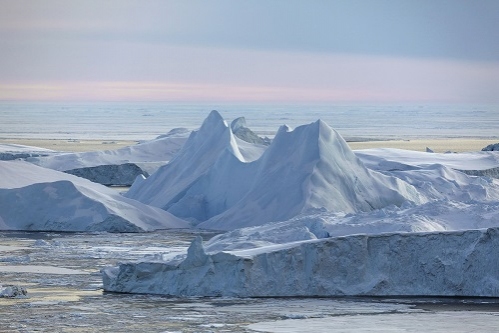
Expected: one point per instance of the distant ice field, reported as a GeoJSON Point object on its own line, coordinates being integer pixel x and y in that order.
{"type": "Point", "coordinates": [142, 121]}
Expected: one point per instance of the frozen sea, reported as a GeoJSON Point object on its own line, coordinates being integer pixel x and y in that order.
{"type": "Point", "coordinates": [141, 121]}
{"type": "Point", "coordinates": [61, 270]}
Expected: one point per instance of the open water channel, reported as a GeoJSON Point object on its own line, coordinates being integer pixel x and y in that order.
{"type": "Point", "coordinates": [61, 272]}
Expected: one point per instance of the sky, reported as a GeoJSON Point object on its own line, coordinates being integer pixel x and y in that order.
{"type": "Point", "coordinates": [272, 51]}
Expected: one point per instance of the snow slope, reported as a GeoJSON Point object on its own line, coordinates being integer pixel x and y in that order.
{"type": "Point", "coordinates": [212, 180]}
{"type": "Point", "coordinates": [308, 168]}
{"type": "Point", "coordinates": [35, 198]}
{"type": "Point", "coordinates": [387, 159]}
{"type": "Point", "coordinates": [199, 153]}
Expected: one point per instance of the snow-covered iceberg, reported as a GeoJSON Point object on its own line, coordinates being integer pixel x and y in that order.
{"type": "Point", "coordinates": [120, 166]}
{"type": "Point", "coordinates": [480, 163]}
{"type": "Point", "coordinates": [10, 152]}
{"type": "Point", "coordinates": [36, 198]}
{"type": "Point", "coordinates": [213, 182]}
{"type": "Point", "coordinates": [344, 223]}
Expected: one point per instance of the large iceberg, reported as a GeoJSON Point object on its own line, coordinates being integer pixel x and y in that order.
{"type": "Point", "coordinates": [463, 263]}
{"type": "Point", "coordinates": [36, 198]}
{"type": "Point", "coordinates": [311, 218]}
{"type": "Point", "coordinates": [219, 183]}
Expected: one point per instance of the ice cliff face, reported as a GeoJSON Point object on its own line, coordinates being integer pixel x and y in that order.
{"type": "Point", "coordinates": [492, 147]}
{"type": "Point", "coordinates": [432, 264]}
{"type": "Point", "coordinates": [211, 182]}
{"type": "Point", "coordinates": [111, 174]}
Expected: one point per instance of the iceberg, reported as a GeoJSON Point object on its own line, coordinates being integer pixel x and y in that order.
{"type": "Point", "coordinates": [36, 198]}
{"type": "Point", "coordinates": [218, 182]}
{"type": "Point", "coordinates": [480, 163]}
{"type": "Point", "coordinates": [9, 152]}
{"type": "Point", "coordinates": [120, 166]}
{"type": "Point", "coordinates": [455, 263]}
{"type": "Point", "coordinates": [310, 217]}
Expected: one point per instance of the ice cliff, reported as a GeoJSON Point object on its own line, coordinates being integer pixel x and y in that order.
{"type": "Point", "coordinates": [463, 263]}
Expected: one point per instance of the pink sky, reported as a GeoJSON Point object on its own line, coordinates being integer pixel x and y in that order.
{"type": "Point", "coordinates": [194, 52]}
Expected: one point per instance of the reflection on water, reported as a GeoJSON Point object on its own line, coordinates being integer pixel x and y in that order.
{"type": "Point", "coordinates": [76, 303]}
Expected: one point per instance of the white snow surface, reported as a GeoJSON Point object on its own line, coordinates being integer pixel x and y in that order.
{"type": "Point", "coordinates": [149, 155]}
{"type": "Point", "coordinates": [15, 148]}
{"type": "Point", "coordinates": [388, 159]}
{"type": "Point", "coordinates": [222, 183]}
{"type": "Point", "coordinates": [36, 198]}
{"type": "Point", "coordinates": [427, 228]}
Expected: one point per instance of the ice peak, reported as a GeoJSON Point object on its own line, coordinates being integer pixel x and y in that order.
{"type": "Point", "coordinates": [213, 119]}
{"type": "Point", "coordinates": [238, 123]}
{"type": "Point", "coordinates": [196, 255]}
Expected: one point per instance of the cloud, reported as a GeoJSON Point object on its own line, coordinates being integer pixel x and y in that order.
{"type": "Point", "coordinates": [279, 50]}
{"type": "Point", "coordinates": [241, 76]}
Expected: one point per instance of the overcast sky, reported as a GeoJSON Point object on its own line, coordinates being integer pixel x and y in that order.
{"type": "Point", "coordinates": [421, 51]}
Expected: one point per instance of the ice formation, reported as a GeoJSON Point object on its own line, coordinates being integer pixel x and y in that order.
{"type": "Point", "coordinates": [120, 166]}
{"type": "Point", "coordinates": [438, 264]}
{"type": "Point", "coordinates": [10, 152]}
{"type": "Point", "coordinates": [213, 182]}
{"type": "Point", "coordinates": [36, 198]}
{"type": "Point", "coordinates": [492, 147]}
{"type": "Point", "coordinates": [12, 291]}
{"type": "Point", "coordinates": [240, 130]}
{"type": "Point", "coordinates": [377, 222]}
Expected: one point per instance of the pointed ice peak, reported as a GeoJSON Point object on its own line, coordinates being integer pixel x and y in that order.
{"type": "Point", "coordinates": [238, 123]}
{"type": "Point", "coordinates": [196, 256]}
{"type": "Point", "coordinates": [323, 129]}
{"type": "Point", "coordinates": [213, 119]}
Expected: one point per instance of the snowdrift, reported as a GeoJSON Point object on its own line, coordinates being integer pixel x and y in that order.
{"type": "Point", "coordinates": [482, 163]}
{"type": "Point", "coordinates": [35, 198]}
{"type": "Point", "coordinates": [120, 166]}
{"type": "Point", "coordinates": [220, 183]}
{"type": "Point", "coordinates": [413, 264]}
